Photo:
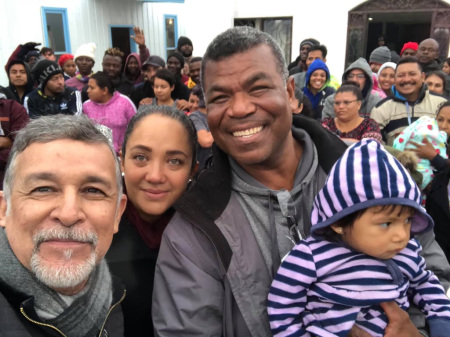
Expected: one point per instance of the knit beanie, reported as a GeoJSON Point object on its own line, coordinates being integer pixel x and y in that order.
{"type": "Point", "coordinates": [179, 56]}
{"type": "Point", "coordinates": [183, 40]}
{"type": "Point", "coordinates": [64, 58]}
{"type": "Point", "coordinates": [366, 176]}
{"type": "Point", "coordinates": [87, 49]}
{"type": "Point", "coordinates": [44, 70]}
{"type": "Point", "coordinates": [311, 42]}
{"type": "Point", "coordinates": [409, 45]}
{"type": "Point", "coordinates": [386, 65]}
{"type": "Point", "coordinates": [380, 55]}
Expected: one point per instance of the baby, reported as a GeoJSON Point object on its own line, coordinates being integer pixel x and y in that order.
{"type": "Point", "coordinates": [359, 254]}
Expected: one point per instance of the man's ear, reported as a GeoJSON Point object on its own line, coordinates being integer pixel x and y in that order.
{"type": "Point", "coordinates": [290, 88]}
{"type": "Point", "coordinates": [121, 162]}
{"type": "Point", "coordinates": [3, 209]}
{"type": "Point", "coordinates": [119, 212]}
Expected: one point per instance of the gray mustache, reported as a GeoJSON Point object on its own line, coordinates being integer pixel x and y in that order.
{"type": "Point", "coordinates": [72, 234]}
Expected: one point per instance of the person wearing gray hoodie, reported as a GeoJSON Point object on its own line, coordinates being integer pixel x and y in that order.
{"type": "Point", "coordinates": [359, 72]}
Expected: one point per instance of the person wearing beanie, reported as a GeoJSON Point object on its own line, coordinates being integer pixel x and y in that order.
{"type": "Point", "coordinates": [31, 58]}
{"type": "Point", "coordinates": [379, 56]}
{"type": "Point", "coordinates": [361, 253]}
{"type": "Point", "coordinates": [185, 47]}
{"type": "Point", "coordinates": [52, 96]}
{"type": "Point", "coordinates": [67, 64]}
{"type": "Point", "coordinates": [409, 49]}
{"type": "Point", "coordinates": [175, 63]}
{"type": "Point", "coordinates": [300, 62]}
{"type": "Point", "coordinates": [84, 59]}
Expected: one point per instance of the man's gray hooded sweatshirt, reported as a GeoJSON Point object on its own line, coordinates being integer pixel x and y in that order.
{"type": "Point", "coordinates": [369, 99]}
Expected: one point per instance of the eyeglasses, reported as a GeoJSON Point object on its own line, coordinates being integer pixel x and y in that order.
{"type": "Point", "coordinates": [346, 103]}
{"type": "Point", "coordinates": [358, 76]}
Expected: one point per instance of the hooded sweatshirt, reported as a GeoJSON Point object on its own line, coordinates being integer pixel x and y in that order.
{"type": "Point", "coordinates": [136, 79]}
{"type": "Point", "coordinates": [369, 100]}
{"type": "Point", "coordinates": [324, 287]}
{"type": "Point", "coordinates": [29, 86]}
{"type": "Point", "coordinates": [318, 99]}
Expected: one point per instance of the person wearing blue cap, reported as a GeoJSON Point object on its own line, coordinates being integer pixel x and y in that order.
{"type": "Point", "coordinates": [360, 254]}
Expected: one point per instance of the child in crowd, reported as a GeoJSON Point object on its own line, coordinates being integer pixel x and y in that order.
{"type": "Point", "coordinates": [424, 130]}
{"type": "Point", "coordinates": [359, 254]}
{"type": "Point", "coordinates": [428, 150]}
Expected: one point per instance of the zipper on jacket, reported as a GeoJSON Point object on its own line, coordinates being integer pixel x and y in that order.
{"type": "Point", "coordinates": [110, 310]}
{"type": "Point", "coordinates": [39, 323]}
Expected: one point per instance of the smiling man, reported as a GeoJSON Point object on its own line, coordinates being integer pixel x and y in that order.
{"type": "Point", "coordinates": [221, 250]}
{"type": "Point", "coordinates": [411, 100]}
{"type": "Point", "coordinates": [61, 205]}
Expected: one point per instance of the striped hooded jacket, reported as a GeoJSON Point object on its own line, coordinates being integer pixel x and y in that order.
{"type": "Point", "coordinates": [323, 288]}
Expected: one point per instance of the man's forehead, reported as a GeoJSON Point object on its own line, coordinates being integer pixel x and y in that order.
{"type": "Point", "coordinates": [356, 71]}
{"type": "Point", "coordinates": [315, 53]}
{"type": "Point", "coordinates": [429, 43]}
{"type": "Point", "coordinates": [411, 66]}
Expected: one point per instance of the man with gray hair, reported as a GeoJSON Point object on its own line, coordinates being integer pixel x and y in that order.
{"type": "Point", "coordinates": [61, 205]}
{"type": "Point", "coordinates": [222, 248]}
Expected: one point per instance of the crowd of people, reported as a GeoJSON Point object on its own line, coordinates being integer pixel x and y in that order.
{"type": "Point", "coordinates": [225, 195]}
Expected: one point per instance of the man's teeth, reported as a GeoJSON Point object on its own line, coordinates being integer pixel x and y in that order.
{"type": "Point", "coordinates": [248, 132]}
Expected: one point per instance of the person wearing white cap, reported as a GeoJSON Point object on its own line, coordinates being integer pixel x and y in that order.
{"type": "Point", "coordinates": [84, 59]}
{"type": "Point", "coordinates": [386, 77]}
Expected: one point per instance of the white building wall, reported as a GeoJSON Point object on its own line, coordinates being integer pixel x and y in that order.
{"type": "Point", "coordinates": [89, 20]}
{"type": "Point", "coordinates": [200, 20]}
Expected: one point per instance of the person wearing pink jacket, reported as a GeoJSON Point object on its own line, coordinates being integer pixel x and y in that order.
{"type": "Point", "coordinates": [108, 108]}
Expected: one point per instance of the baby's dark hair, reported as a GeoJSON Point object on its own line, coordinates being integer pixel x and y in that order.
{"type": "Point", "coordinates": [442, 106]}
{"type": "Point", "coordinates": [330, 235]}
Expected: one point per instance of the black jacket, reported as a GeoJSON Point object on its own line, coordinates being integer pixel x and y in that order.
{"type": "Point", "coordinates": [123, 85]}
{"type": "Point", "coordinates": [68, 103]}
{"type": "Point", "coordinates": [437, 205]}
{"type": "Point", "coordinates": [131, 260]}
{"type": "Point", "coordinates": [30, 82]}
{"type": "Point", "coordinates": [19, 319]}
{"type": "Point", "coordinates": [141, 91]}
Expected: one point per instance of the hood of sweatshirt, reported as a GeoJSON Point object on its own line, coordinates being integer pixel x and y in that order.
{"type": "Point", "coordinates": [318, 65]}
{"type": "Point", "coordinates": [361, 64]}
{"type": "Point", "coordinates": [30, 81]}
{"type": "Point", "coordinates": [125, 68]}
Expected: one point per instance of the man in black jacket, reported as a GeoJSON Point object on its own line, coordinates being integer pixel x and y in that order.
{"type": "Point", "coordinates": [61, 205]}
{"type": "Point", "coordinates": [112, 66]}
{"type": "Point", "coordinates": [52, 96]}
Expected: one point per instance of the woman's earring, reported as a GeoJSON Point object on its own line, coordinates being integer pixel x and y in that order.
{"type": "Point", "coordinates": [340, 230]}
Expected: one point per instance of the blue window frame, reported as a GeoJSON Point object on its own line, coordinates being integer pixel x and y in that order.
{"type": "Point", "coordinates": [170, 33]}
{"type": "Point", "coordinates": [56, 29]}
{"type": "Point", "coordinates": [119, 36]}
